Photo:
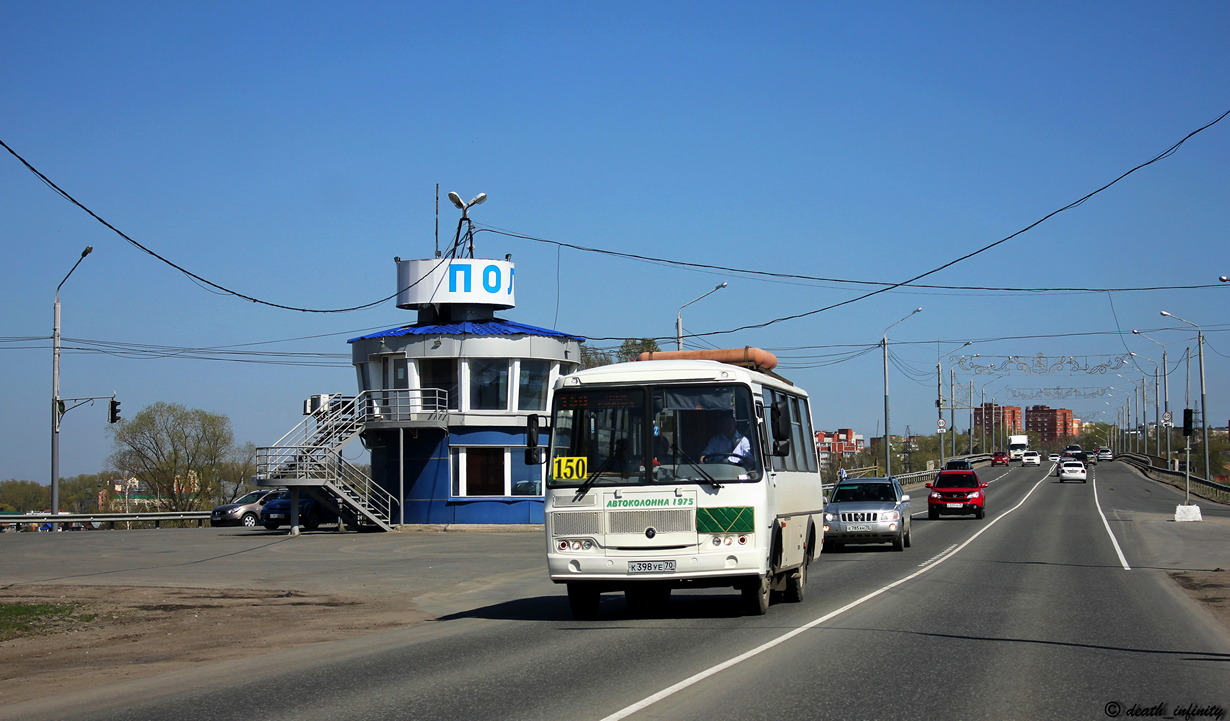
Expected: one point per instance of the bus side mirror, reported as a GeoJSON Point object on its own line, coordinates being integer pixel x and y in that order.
{"type": "Point", "coordinates": [533, 453]}
{"type": "Point", "coordinates": [780, 419]}
{"type": "Point", "coordinates": [531, 430]}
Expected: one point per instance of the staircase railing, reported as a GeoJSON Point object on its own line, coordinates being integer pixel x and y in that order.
{"type": "Point", "coordinates": [339, 418]}
{"type": "Point", "coordinates": [327, 469]}
{"type": "Point", "coordinates": [311, 451]}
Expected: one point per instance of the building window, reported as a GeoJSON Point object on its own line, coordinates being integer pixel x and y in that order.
{"type": "Point", "coordinates": [440, 373]}
{"type": "Point", "coordinates": [484, 472]}
{"type": "Point", "coordinates": [533, 378]}
{"type": "Point", "coordinates": [488, 384]}
{"type": "Point", "coordinates": [493, 471]}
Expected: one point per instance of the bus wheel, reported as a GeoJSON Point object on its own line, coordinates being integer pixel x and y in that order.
{"type": "Point", "coordinates": [583, 601]}
{"type": "Point", "coordinates": [756, 596]}
{"type": "Point", "coordinates": [796, 585]}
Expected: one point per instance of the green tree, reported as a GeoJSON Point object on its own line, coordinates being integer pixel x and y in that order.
{"type": "Point", "coordinates": [629, 350]}
{"type": "Point", "coordinates": [179, 453]}
{"type": "Point", "coordinates": [632, 348]}
{"type": "Point", "coordinates": [594, 357]}
{"type": "Point", "coordinates": [24, 496]}
{"type": "Point", "coordinates": [79, 494]}
{"type": "Point", "coordinates": [1094, 435]}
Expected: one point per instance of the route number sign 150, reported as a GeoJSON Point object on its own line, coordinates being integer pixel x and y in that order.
{"type": "Point", "coordinates": [567, 469]}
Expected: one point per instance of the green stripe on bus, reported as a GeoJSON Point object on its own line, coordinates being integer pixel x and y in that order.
{"type": "Point", "coordinates": [738, 519]}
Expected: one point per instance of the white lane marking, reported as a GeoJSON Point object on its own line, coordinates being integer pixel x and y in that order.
{"type": "Point", "coordinates": [938, 556]}
{"type": "Point", "coordinates": [713, 670]}
{"type": "Point", "coordinates": [1114, 541]}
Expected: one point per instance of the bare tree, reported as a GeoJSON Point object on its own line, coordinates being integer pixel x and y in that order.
{"type": "Point", "coordinates": [177, 452]}
{"type": "Point", "coordinates": [235, 475]}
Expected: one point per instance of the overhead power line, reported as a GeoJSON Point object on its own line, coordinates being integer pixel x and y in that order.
{"type": "Point", "coordinates": [885, 287]}
{"type": "Point", "coordinates": [822, 279]}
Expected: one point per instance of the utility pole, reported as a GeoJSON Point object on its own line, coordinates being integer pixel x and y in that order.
{"type": "Point", "coordinates": [56, 404]}
{"type": "Point", "coordinates": [939, 408]}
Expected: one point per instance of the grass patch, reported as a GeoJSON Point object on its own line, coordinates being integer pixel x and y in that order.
{"type": "Point", "coordinates": [31, 619]}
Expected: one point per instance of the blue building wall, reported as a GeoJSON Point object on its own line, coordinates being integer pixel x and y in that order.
{"type": "Point", "coordinates": [427, 469]}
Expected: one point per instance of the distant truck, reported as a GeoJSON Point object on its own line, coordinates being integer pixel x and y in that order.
{"type": "Point", "coordinates": [1017, 445]}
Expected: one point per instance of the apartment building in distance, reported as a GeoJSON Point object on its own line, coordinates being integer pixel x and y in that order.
{"type": "Point", "coordinates": [833, 446]}
{"type": "Point", "coordinates": [993, 415]}
{"type": "Point", "coordinates": [1051, 424]}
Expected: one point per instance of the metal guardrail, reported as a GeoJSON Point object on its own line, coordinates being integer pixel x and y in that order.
{"type": "Point", "coordinates": [157, 517]}
{"type": "Point", "coordinates": [1211, 490]}
{"type": "Point", "coordinates": [914, 478]}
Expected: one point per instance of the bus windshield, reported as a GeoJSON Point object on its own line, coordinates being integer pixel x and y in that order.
{"type": "Point", "coordinates": [641, 435]}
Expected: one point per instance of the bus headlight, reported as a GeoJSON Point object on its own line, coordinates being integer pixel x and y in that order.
{"type": "Point", "coordinates": [575, 544]}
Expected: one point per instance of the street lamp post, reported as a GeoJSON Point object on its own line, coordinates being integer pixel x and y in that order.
{"type": "Point", "coordinates": [1165, 390]}
{"type": "Point", "coordinates": [1204, 410]}
{"type": "Point", "coordinates": [55, 387]}
{"type": "Point", "coordinates": [888, 456]}
{"type": "Point", "coordinates": [679, 316]}
{"type": "Point", "coordinates": [1131, 417]}
{"type": "Point", "coordinates": [1157, 419]}
{"type": "Point", "coordinates": [952, 401]}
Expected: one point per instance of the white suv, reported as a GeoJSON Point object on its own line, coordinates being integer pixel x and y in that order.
{"type": "Point", "coordinates": [1031, 458]}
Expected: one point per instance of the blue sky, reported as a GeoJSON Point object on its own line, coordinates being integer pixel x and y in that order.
{"type": "Point", "coordinates": [289, 151]}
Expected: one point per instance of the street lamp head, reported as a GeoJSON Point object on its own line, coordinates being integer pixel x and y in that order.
{"type": "Point", "coordinates": [1135, 332]}
{"type": "Point", "coordinates": [88, 249]}
{"type": "Point", "coordinates": [720, 286]}
{"type": "Point", "coordinates": [1167, 314]}
{"type": "Point", "coordinates": [478, 200]}
{"type": "Point", "coordinates": [1223, 279]}
{"type": "Point", "coordinates": [456, 200]}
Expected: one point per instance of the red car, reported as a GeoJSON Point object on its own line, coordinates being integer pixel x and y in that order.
{"type": "Point", "coordinates": [956, 492]}
{"type": "Point", "coordinates": [999, 458]}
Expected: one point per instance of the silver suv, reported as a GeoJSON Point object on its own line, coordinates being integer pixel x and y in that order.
{"type": "Point", "coordinates": [868, 510]}
{"type": "Point", "coordinates": [244, 511]}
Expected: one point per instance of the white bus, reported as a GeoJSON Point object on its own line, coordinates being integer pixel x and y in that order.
{"type": "Point", "coordinates": [648, 489]}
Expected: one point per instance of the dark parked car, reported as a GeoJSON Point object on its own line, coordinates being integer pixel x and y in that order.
{"type": "Point", "coordinates": [956, 492]}
{"type": "Point", "coordinates": [312, 513]}
{"type": "Point", "coordinates": [244, 511]}
{"type": "Point", "coordinates": [868, 510]}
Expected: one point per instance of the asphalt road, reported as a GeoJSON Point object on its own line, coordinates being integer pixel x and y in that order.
{"type": "Point", "coordinates": [1056, 605]}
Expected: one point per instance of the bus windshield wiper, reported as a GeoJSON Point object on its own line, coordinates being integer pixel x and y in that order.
{"type": "Point", "coordinates": [704, 475]}
{"type": "Point", "coordinates": [589, 482]}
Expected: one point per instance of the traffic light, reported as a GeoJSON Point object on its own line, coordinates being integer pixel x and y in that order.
{"type": "Point", "coordinates": [1188, 421]}
{"type": "Point", "coordinates": [115, 411]}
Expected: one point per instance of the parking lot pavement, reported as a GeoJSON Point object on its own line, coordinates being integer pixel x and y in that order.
{"type": "Point", "coordinates": [419, 565]}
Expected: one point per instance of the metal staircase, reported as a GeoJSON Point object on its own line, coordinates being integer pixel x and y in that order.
{"type": "Point", "coordinates": [309, 455]}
